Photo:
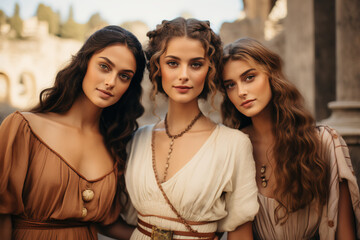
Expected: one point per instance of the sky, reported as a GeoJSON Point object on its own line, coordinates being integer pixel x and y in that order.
{"type": "Point", "coordinates": [152, 12]}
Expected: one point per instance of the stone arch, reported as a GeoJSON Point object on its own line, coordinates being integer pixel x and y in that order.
{"type": "Point", "coordinates": [4, 88]}
{"type": "Point", "coordinates": [28, 82]}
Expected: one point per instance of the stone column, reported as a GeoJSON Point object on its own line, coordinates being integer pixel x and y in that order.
{"type": "Point", "coordinates": [345, 115]}
{"type": "Point", "coordinates": [325, 57]}
{"type": "Point", "coordinates": [299, 48]}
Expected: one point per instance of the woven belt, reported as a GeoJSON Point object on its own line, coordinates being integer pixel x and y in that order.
{"type": "Point", "coordinates": [24, 223]}
{"type": "Point", "coordinates": [205, 236]}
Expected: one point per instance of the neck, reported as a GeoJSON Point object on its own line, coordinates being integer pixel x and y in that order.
{"type": "Point", "coordinates": [180, 115]}
{"type": "Point", "coordinates": [262, 125]}
{"type": "Point", "coordinates": [83, 114]}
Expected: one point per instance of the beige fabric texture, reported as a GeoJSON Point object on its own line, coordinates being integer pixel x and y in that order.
{"type": "Point", "coordinates": [217, 184]}
{"type": "Point", "coordinates": [304, 223]}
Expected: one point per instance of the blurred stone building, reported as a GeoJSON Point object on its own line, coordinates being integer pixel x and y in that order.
{"type": "Point", "coordinates": [319, 42]}
{"type": "Point", "coordinates": [28, 65]}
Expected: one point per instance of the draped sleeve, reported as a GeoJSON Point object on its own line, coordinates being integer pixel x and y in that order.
{"type": "Point", "coordinates": [14, 157]}
{"type": "Point", "coordinates": [241, 190]}
{"type": "Point", "coordinates": [129, 213]}
{"type": "Point", "coordinates": [341, 169]}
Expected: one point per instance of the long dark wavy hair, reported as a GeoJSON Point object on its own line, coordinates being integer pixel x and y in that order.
{"type": "Point", "coordinates": [191, 28]}
{"type": "Point", "coordinates": [301, 171]}
{"type": "Point", "coordinates": [117, 122]}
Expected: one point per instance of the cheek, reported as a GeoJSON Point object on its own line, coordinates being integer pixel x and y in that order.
{"type": "Point", "coordinates": [124, 87]}
{"type": "Point", "coordinates": [265, 90]}
{"type": "Point", "coordinates": [165, 78]}
{"type": "Point", "coordinates": [199, 79]}
{"type": "Point", "coordinates": [234, 98]}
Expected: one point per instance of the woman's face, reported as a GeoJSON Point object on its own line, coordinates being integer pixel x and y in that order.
{"type": "Point", "coordinates": [108, 75]}
{"type": "Point", "coordinates": [247, 87]}
{"type": "Point", "coordinates": [184, 67]}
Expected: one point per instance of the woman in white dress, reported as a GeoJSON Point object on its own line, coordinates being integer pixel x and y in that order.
{"type": "Point", "coordinates": [187, 176]}
{"type": "Point", "coordinates": [307, 187]}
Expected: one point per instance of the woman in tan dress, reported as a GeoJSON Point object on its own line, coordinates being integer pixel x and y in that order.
{"type": "Point", "coordinates": [187, 176]}
{"type": "Point", "coordinates": [307, 188]}
{"type": "Point", "coordinates": [61, 164]}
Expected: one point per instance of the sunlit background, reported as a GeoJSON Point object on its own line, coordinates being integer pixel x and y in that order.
{"type": "Point", "coordinates": [317, 40]}
{"type": "Point", "coordinates": [120, 11]}
{"type": "Point", "coordinates": [38, 37]}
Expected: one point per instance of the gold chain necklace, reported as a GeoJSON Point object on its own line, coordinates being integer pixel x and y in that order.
{"type": "Point", "coordinates": [173, 137]}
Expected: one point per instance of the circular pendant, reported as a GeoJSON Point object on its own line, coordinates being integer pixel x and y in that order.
{"type": "Point", "coordinates": [264, 183]}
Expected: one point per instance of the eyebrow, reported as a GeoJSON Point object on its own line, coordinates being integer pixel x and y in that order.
{"type": "Point", "coordinates": [241, 75]}
{"type": "Point", "coordinates": [113, 65]}
{"type": "Point", "coordinates": [177, 58]}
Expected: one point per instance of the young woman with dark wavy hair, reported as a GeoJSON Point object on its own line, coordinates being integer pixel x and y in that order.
{"type": "Point", "coordinates": [187, 176]}
{"type": "Point", "coordinates": [304, 174]}
{"type": "Point", "coordinates": [62, 164]}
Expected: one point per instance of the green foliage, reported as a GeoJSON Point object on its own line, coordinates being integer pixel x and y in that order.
{"type": "Point", "coordinates": [72, 29]}
{"type": "Point", "coordinates": [96, 21]}
{"type": "Point", "coordinates": [16, 22]}
{"type": "Point", "coordinates": [45, 13]}
{"type": "Point", "coordinates": [2, 17]}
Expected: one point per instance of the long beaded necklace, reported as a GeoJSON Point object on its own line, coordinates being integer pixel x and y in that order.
{"type": "Point", "coordinates": [173, 137]}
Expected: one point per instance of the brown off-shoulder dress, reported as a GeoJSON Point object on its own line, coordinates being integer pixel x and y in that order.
{"type": "Point", "coordinates": [47, 197]}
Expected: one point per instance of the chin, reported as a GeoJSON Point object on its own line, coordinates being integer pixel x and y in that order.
{"type": "Point", "coordinates": [249, 114]}
{"type": "Point", "coordinates": [183, 99]}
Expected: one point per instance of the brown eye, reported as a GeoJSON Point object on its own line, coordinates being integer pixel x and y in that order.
{"type": "Point", "coordinates": [196, 65]}
{"type": "Point", "coordinates": [172, 63]}
{"type": "Point", "coordinates": [249, 78]}
{"type": "Point", "coordinates": [229, 86]}
{"type": "Point", "coordinates": [125, 77]}
{"type": "Point", "coordinates": [104, 67]}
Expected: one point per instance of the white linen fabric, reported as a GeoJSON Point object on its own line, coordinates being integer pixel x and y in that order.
{"type": "Point", "coordinates": [216, 185]}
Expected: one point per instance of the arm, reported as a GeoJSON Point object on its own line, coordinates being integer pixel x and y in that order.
{"type": "Point", "coordinates": [243, 232]}
{"type": "Point", "coordinates": [5, 227]}
{"type": "Point", "coordinates": [118, 230]}
{"type": "Point", "coordinates": [346, 225]}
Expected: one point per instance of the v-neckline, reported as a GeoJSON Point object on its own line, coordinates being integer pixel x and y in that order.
{"type": "Point", "coordinates": [186, 164]}
{"type": "Point", "coordinates": [61, 157]}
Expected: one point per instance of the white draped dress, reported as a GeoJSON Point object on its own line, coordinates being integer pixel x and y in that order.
{"type": "Point", "coordinates": [217, 185]}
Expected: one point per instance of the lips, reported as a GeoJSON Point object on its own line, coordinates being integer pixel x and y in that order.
{"type": "Point", "coordinates": [247, 103]}
{"type": "Point", "coordinates": [105, 92]}
{"type": "Point", "coordinates": [182, 89]}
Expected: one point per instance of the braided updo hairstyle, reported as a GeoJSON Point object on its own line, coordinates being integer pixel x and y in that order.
{"type": "Point", "coordinates": [190, 28]}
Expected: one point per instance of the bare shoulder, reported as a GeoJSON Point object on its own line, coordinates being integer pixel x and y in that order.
{"type": "Point", "coordinates": [48, 126]}
{"type": "Point", "coordinates": [40, 122]}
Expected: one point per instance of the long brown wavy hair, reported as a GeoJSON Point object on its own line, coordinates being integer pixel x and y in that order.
{"type": "Point", "coordinates": [301, 172]}
{"type": "Point", "coordinates": [190, 28]}
{"type": "Point", "coordinates": [117, 122]}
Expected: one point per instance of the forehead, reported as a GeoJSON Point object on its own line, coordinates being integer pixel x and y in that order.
{"type": "Point", "coordinates": [185, 47]}
{"type": "Point", "coordinates": [119, 54]}
{"type": "Point", "coordinates": [235, 67]}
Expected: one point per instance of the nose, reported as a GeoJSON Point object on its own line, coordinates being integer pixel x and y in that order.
{"type": "Point", "coordinates": [242, 91]}
{"type": "Point", "coordinates": [110, 81]}
{"type": "Point", "coordinates": [184, 75]}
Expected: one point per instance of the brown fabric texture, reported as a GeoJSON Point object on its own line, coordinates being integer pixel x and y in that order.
{"type": "Point", "coordinates": [36, 183]}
